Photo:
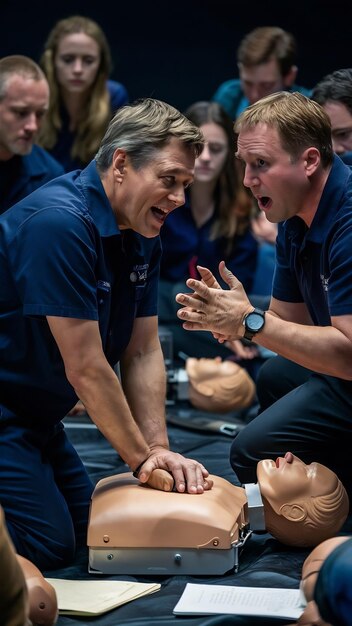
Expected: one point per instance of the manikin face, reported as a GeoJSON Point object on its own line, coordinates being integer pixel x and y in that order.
{"type": "Point", "coordinates": [210, 163]}
{"type": "Point", "coordinates": [341, 126]}
{"type": "Point", "coordinates": [77, 62]}
{"type": "Point", "coordinates": [278, 182]}
{"type": "Point", "coordinates": [21, 114]}
{"type": "Point", "coordinates": [288, 480]}
{"type": "Point", "coordinates": [210, 369]}
{"type": "Point", "coordinates": [143, 198]}
{"type": "Point", "coordinates": [264, 79]}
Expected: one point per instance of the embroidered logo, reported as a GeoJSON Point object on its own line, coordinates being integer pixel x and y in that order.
{"type": "Point", "coordinates": [324, 282]}
{"type": "Point", "coordinates": [139, 273]}
{"type": "Point", "coordinates": [104, 285]}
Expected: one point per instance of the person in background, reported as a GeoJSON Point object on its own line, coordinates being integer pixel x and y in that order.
{"type": "Point", "coordinates": [24, 100]}
{"type": "Point", "coordinates": [213, 224]}
{"type": "Point", "coordinates": [266, 61]}
{"type": "Point", "coordinates": [334, 93]}
{"type": "Point", "coordinates": [77, 63]}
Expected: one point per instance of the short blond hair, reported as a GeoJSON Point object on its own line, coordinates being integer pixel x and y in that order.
{"type": "Point", "coordinates": [18, 65]}
{"type": "Point", "coordinates": [300, 122]}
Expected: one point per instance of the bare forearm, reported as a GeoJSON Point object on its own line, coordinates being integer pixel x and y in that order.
{"type": "Point", "coordinates": [323, 349]}
{"type": "Point", "coordinates": [144, 383]}
{"type": "Point", "coordinates": [102, 395]}
{"type": "Point", "coordinates": [288, 329]}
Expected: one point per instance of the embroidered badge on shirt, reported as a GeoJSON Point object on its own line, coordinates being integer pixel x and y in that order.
{"type": "Point", "coordinates": [324, 282]}
{"type": "Point", "coordinates": [139, 273]}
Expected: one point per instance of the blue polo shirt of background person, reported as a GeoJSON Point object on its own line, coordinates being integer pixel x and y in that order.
{"type": "Point", "coordinates": [62, 254]}
{"type": "Point", "coordinates": [231, 97]}
{"type": "Point", "coordinates": [314, 265]}
{"type": "Point", "coordinates": [21, 175]}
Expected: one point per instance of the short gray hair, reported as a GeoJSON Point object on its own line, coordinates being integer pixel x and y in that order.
{"type": "Point", "coordinates": [144, 127]}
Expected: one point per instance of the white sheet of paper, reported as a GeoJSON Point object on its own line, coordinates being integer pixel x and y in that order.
{"type": "Point", "coordinates": [260, 601]}
{"type": "Point", "coordinates": [93, 597]}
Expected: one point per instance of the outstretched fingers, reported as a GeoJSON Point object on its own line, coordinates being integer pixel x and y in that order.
{"type": "Point", "coordinates": [208, 278]}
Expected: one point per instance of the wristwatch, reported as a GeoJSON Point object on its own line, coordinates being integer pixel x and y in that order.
{"type": "Point", "coordinates": [253, 323]}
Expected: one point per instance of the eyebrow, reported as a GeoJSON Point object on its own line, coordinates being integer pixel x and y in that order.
{"type": "Point", "coordinates": [341, 128]}
{"type": "Point", "coordinates": [178, 171]}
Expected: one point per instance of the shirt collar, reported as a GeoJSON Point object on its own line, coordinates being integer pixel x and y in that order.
{"type": "Point", "coordinates": [97, 201]}
{"type": "Point", "coordinates": [328, 205]}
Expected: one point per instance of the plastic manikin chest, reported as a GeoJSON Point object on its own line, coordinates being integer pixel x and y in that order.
{"type": "Point", "coordinates": [134, 529]}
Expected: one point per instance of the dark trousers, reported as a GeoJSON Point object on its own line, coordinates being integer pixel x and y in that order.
{"type": "Point", "coordinates": [45, 493]}
{"type": "Point", "coordinates": [302, 412]}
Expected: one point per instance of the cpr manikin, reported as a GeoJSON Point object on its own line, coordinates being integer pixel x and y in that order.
{"type": "Point", "coordinates": [218, 386]}
{"type": "Point", "coordinates": [325, 583]}
{"type": "Point", "coordinates": [301, 505]}
{"type": "Point", "coordinates": [43, 609]}
{"type": "Point", "coordinates": [24, 593]}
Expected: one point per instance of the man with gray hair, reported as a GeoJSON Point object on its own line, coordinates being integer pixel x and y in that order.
{"type": "Point", "coordinates": [24, 99]}
{"type": "Point", "coordinates": [79, 267]}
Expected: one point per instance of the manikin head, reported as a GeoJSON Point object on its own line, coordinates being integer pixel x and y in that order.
{"type": "Point", "coordinates": [218, 386]}
{"type": "Point", "coordinates": [310, 573]}
{"type": "Point", "coordinates": [303, 504]}
{"type": "Point", "coordinates": [313, 563]}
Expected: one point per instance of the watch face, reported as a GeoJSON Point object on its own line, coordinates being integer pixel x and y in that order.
{"type": "Point", "coordinates": [254, 321]}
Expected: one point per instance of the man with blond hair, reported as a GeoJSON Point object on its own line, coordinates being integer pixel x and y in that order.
{"type": "Point", "coordinates": [24, 100]}
{"type": "Point", "coordinates": [305, 392]}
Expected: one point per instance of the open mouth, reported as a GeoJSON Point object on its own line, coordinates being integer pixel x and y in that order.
{"type": "Point", "coordinates": [264, 202]}
{"type": "Point", "coordinates": [159, 214]}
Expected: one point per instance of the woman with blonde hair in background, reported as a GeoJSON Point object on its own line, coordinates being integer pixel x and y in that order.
{"type": "Point", "coordinates": [77, 64]}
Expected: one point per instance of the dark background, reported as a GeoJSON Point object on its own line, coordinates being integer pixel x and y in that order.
{"type": "Point", "coordinates": [180, 51]}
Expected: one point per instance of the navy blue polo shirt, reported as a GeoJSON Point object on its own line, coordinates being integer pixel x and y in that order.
{"type": "Point", "coordinates": [62, 254]}
{"type": "Point", "coordinates": [185, 245]}
{"type": "Point", "coordinates": [21, 175]}
{"type": "Point", "coordinates": [314, 265]}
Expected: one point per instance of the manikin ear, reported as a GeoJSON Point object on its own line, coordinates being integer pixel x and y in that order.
{"type": "Point", "coordinates": [290, 77]}
{"type": "Point", "coordinates": [312, 160]}
{"type": "Point", "coordinates": [293, 512]}
{"type": "Point", "coordinates": [118, 162]}
{"type": "Point", "coordinates": [204, 389]}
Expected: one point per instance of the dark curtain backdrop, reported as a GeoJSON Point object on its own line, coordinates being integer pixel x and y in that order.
{"type": "Point", "coordinates": [180, 51]}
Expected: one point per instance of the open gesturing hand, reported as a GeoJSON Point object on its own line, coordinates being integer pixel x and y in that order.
{"type": "Point", "coordinates": [211, 308]}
